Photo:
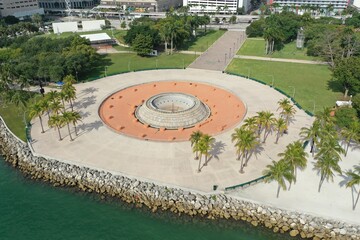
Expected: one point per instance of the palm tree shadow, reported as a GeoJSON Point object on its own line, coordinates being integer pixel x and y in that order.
{"type": "Point", "coordinates": [257, 151]}
{"type": "Point", "coordinates": [354, 192]}
{"type": "Point", "coordinates": [216, 149]}
{"type": "Point", "coordinates": [89, 90]}
{"type": "Point", "coordinates": [87, 127]}
{"type": "Point", "coordinates": [85, 102]}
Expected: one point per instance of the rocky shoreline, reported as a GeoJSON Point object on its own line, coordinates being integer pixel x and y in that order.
{"type": "Point", "coordinates": [157, 197]}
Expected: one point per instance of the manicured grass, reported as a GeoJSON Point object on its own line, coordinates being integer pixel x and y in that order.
{"type": "Point", "coordinates": [256, 47]}
{"type": "Point", "coordinates": [122, 48]}
{"type": "Point", "coordinates": [203, 41]}
{"type": "Point", "coordinates": [14, 117]}
{"type": "Point", "coordinates": [311, 82]}
{"type": "Point", "coordinates": [118, 63]}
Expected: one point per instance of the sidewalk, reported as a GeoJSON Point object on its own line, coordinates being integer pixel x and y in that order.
{"type": "Point", "coordinates": [280, 59]}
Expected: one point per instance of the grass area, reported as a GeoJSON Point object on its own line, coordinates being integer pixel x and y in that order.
{"type": "Point", "coordinates": [203, 41]}
{"type": "Point", "coordinates": [311, 82]}
{"type": "Point", "coordinates": [118, 63]}
{"type": "Point", "coordinates": [122, 48]}
{"type": "Point", "coordinates": [14, 117]}
{"type": "Point", "coordinates": [256, 47]}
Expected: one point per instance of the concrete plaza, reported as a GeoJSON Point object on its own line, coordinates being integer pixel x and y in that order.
{"type": "Point", "coordinates": [170, 163]}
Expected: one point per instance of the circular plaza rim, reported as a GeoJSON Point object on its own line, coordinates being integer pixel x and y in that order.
{"type": "Point", "coordinates": [172, 110]}
{"type": "Point", "coordinates": [215, 109]}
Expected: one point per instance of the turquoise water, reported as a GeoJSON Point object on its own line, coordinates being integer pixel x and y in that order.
{"type": "Point", "coordinates": [33, 210]}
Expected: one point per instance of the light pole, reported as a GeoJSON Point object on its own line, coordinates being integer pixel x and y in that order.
{"type": "Point", "coordinates": [234, 49]}
{"type": "Point", "coordinates": [183, 64]}
{"type": "Point", "coordinates": [272, 82]}
{"type": "Point", "coordinates": [230, 53]}
{"type": "Point", "coordinates": [105, 71]}
{"type": "Point", "coordinates": [129, 65]}
{"type": "Point", "coordinates": [156, 61]}
{"type": "Point", "coordinates": [225, 57]}
{"type": "Point", "coordinates": [248, 71]}
{"type": "Point", "coordinates": [293, 92]}
{"type": "Point", "coordinates": [314, 106]}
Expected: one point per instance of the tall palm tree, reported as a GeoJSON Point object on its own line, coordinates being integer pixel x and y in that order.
{"type": "Point", "coordinates": [67, 119]}
{"type": "Point", "coordinates": [207, 140]}
{"type": "Point", "coordinates": [350, 133]}
{"type": "Point", "coordinates": [267, 122]}
{"type": "Point", "coordinates": [330, 145]}
{"type": "Point", "coordinates": [62, 96]}
{"type": "Point", "coordinates": [324, 116]}
{"type": "Point", "coordinates": [200, 147]}
{"type": "Point", "coordinates": [280, 127]}
{"type": "Point", "coordinates": [69, 92]}
{"type": "Point", "coordinates": [311, 134]}
{"type": "Point", "coordinates": [36, 110]}
{"type": "Point", "coordinates": [354, 180]}
{"type": "Point", "coordinates": [69, 80]}
{"type": "Point", "coordinates": [52, 96]}
{"type": "Point", "coordinates": [56, 107]}
{"type": "Point", "coordinates": [279, 172]}
{"type": "Point", "coordinates": [58, 122]}
{"type": "Point", "coordinates": [251, 124]}
{"type": "Point", "coordinates": [260, 118]}
{"type": "Point", "coordinates": [194, 139]}
{"type": "Point", "coordinates": [295, 156]}
{"type": "Point", "coordinates": [45, 106]}
{"type": "Point", "coordinates": [283, 103]}
{"type": "Point", "coordinates": [75, 117]}
{"type": "Point", "coordinates": [288, 113]}
{"type": "Point", "coordinates": [326, 165]}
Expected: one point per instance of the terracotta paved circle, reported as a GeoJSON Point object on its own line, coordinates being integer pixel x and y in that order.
{"type": "Point", "coordinates": [117, 111]}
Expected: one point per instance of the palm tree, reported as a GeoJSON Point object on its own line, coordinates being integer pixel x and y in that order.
{"type": "Point", "coordinates": [259, 118]}
{"type": "Point", "coordinates": [58, 122]}
{"type": "Point", "coordinates": [288, 113]}
{"type": "Point", "coordinates": [283, 103]}
{"type": "Point", "coordinates": [236, 137]}
{"type": "Point", "coordinates": [201, 148]}
{"type": "Point", "coordinates": [56, 107]}
{"type": "Point", "coordinates": [311, 134]}
{"type": "Point", "coordinates": [350, 133]}
{"type": "Point", "coordinates": [45, 106]}
{"type": "Point", "coordinates": [251, 124]}
{"type": "Point", "coordinates": [62, 96]}
{"type": "Point", "coordinates": [36, 110]}
{"type": "Point", "coordinates": [207, 140]}
{"type": "Point", "coordinates": [324, 116]}
{"type": "Point", "coordinates": [194, 139]}
{"type": "Point", "coordinates": [267, 122]}
{"type": "Point", "coordinates": [75, 117]}
{"type": "Point", "coordinates": [295, 156]}
{"type": "Point", "coordinates": [69, 92]}
{"type": "Point", "coordinates": [354, 180]}
{"type": "Point", "coordinates": [279, 172]}
{"type": "Point", "coordinates": [67, 119]}
{"type": "Point", "coordinates": [330, 145]}
{"type": "Point", "coordinates": [69, 80]}
{"type": "Point", "coordinates": [326, 165]}
{"type": "Point", "coordinates": [280, 126]}
{"type": "Point", "coordinates": [52, 96]}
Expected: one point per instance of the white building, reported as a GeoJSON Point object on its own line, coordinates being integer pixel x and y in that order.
{"type": "Point", "coordinates": [19, 8]}
{"type": "Point", "coordinates": [338, 5]}
{"type": "Point", "coordinates": [356, 3]}
{"type": "Point", "coordinates": [216, 6]}
{"type": "Point", "coordinates": [60, 5]}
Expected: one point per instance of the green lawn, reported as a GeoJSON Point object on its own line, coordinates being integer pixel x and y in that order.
{"type": "Point", "coordinates": [118, 63]}
{"type": "Point", "coordinates": [14, 117]}
{"type": "Point", "coordinates": [203, 41]}
{"type": "Point", "coordinates": [311, 82]}
{"type": "Point", "coordinates": [122, 48]}
{"type": "Point", "coordinates": [256, 47]}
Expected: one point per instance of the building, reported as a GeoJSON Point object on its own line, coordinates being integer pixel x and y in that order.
{"type": "Point", "coordinates": [356, 3]}
{"type": "Point", "coordinates": [19, 8]}
{"type": "Point", "coordinates": [141, 5]}
{"type": "Point", "coordinates": [60, 5]}
{"type": "Point", "coordinates": [216, 6]}
{"type": "Point", "coordinates": [337, 5]}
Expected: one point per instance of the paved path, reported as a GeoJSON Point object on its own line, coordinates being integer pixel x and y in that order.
{"type": "Point", "coordinates": [280, 59]}
{"type": "Point", "coordinates": [220, 54]}
{"type": "Point", "coordinates": [170, 163]}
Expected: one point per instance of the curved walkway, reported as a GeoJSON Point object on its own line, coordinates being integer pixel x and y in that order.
{"type": "Point", "coordinates": [279, 59]}
{"type": "Point", "coordinates": [99, 147]}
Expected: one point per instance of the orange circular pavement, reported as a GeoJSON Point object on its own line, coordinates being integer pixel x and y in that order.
{"type": "Point", "coordinates": [118, 110]}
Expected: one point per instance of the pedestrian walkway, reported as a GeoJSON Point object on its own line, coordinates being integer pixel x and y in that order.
{"type": "Point", "coordinates": [280, 59]}
{"type": "Point", "coordinates": [220, 54]}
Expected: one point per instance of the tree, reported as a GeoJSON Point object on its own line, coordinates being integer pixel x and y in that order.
{"type": "Point", "coordinates": [280, 172]}
{"type": "Point", "coordinates": [347, 72]}
{"type": "Point", "coordinates": [142, 44]}
{"type": "Point", "coordinates": [344, 116]}
{"type": "Point", "coordinates": [311, 134]}
{"type": "Point", "coordinates": [354, 180]}
{"type": "Point", "coordinates": [295, 156]}
{"type": "Point", "coordinates": [201, 149]}
{"type": "Point", "coordinates": [280, 127]}
{"type": "Point", "coordinates": [288, 113]}
{"type": "Point", "coordinates": [326, 165]}
{"type": "Point", "coordinates": [351, 133]}
{"type": "Point", "coordinates": [58, 122]}
{"type": "Point", "coordinates": [232, 19]}
{"type": "Point", "coordinates": [251, 124]}
{"type": "Point", "coordinates": [267, 123]}
{"type": "Point", "coordinates": [74, 118]}
{"type": "Point", "coordinates": [283, 103]}
{"type": "Point", "coordinates": [123, 25]}
{"type": "Point", "coordinates": [194, 139]}
{"type": "Point", "coordinates": [36, 110]}
{"type": "Point", "coordinates": [56, 107]}
{"type": "Point", "coordinates": [37, 19]}
{"type": "Point", "coordinates": [207, 141]}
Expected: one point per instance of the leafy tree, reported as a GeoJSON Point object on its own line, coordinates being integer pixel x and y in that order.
{"type": "Point", "coordinates": [267, 123]}
{"type": "Point", "coordinates": [232, 19]}
{"type": "Point", "coordinates": [142, 44]}
{"type": "Point", "coordinates": [123, 25]}
{"type": "Point", "coordinates": [345, 116]}
{"type": "Point", "coordinates": [251, 124]}
{"type": "Point", "coordinates": [67, 119]}
{"type": "Point", "coordinates": [280, 172]}
{"type": "Point", "coordinates": [347, 72]}
{"type": "Point", "coordinates": [356, 103]}
{"type": "Point", "coordinates": [354, 180]}
{"type": "Point", "coordinates": [74, 118]}
{"type": "Point", "coordinates": [326, 165]}
{"type": "Point", "coordinates": [37, 19]}
{"type": "Point", "coordinates": [145, 30]}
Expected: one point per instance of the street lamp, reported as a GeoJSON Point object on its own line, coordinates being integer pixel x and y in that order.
{"type": "Point", "coordinates": [248, 71]}
{"type": "Point", "coordinates": [272, 82]}
{"type": "Point", "coordinates": [293, 92]}
{"type": "Point", "coordinates": [230, 53]}
{"type": "Point", "coordinates": [156, 62]}
{"type": "Point", "coordinates": [129, 65]}
{"type": "Point", "coordinates": [105, 71]}
{"type": "Point", "coordinates": [183, 64]}
{"type": "Point", "coordinates": [313, 106]}
{"type": "Point", "coordinates": [225, 57]}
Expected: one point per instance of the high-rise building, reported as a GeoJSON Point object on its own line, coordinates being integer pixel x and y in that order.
{"type": "Point", "coordinates": [60, 5]}
{"type": "Point", "coordinates": [19, 8]}
{"type": "Point", "coordinates": [142, 5]}
{"type": "Point", "coordinates": [334, 5]}
{"type": "Point", "coordinates": [216, 6]}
